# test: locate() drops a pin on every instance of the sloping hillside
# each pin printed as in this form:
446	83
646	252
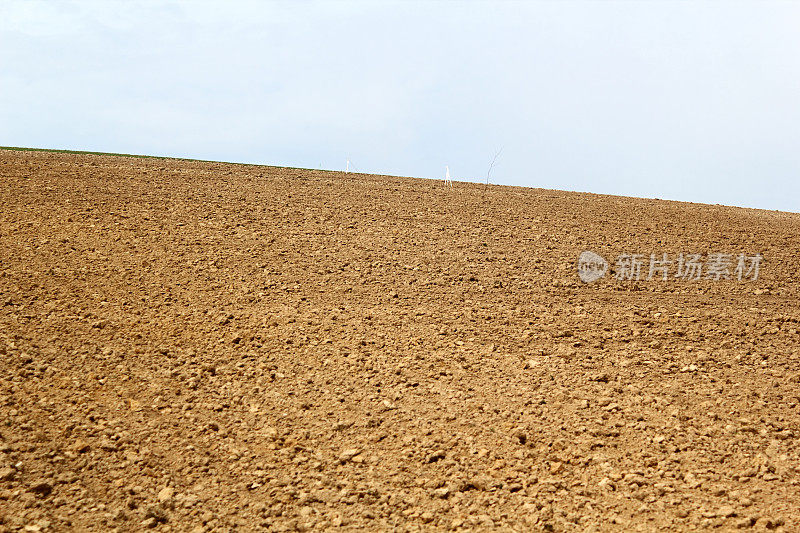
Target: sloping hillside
195	346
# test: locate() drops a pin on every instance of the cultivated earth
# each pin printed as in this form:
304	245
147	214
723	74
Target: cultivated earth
191	346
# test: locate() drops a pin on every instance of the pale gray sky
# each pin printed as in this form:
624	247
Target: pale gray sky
696	101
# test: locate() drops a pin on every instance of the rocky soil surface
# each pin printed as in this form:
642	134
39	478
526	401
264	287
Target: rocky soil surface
191	346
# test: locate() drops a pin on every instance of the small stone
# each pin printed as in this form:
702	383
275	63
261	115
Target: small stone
42	488
482	482
519	434
691	480
157	513
426	517
149	523
80	446
108	445
606	484
166	494
66	478
635	479
438	455
7	474
726	511
487	523
745	522
442	493
348	455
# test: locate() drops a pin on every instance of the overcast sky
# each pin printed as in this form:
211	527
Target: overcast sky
696	101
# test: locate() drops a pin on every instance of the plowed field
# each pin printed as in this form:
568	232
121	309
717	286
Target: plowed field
194	346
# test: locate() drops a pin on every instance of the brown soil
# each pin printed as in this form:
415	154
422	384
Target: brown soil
201	346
